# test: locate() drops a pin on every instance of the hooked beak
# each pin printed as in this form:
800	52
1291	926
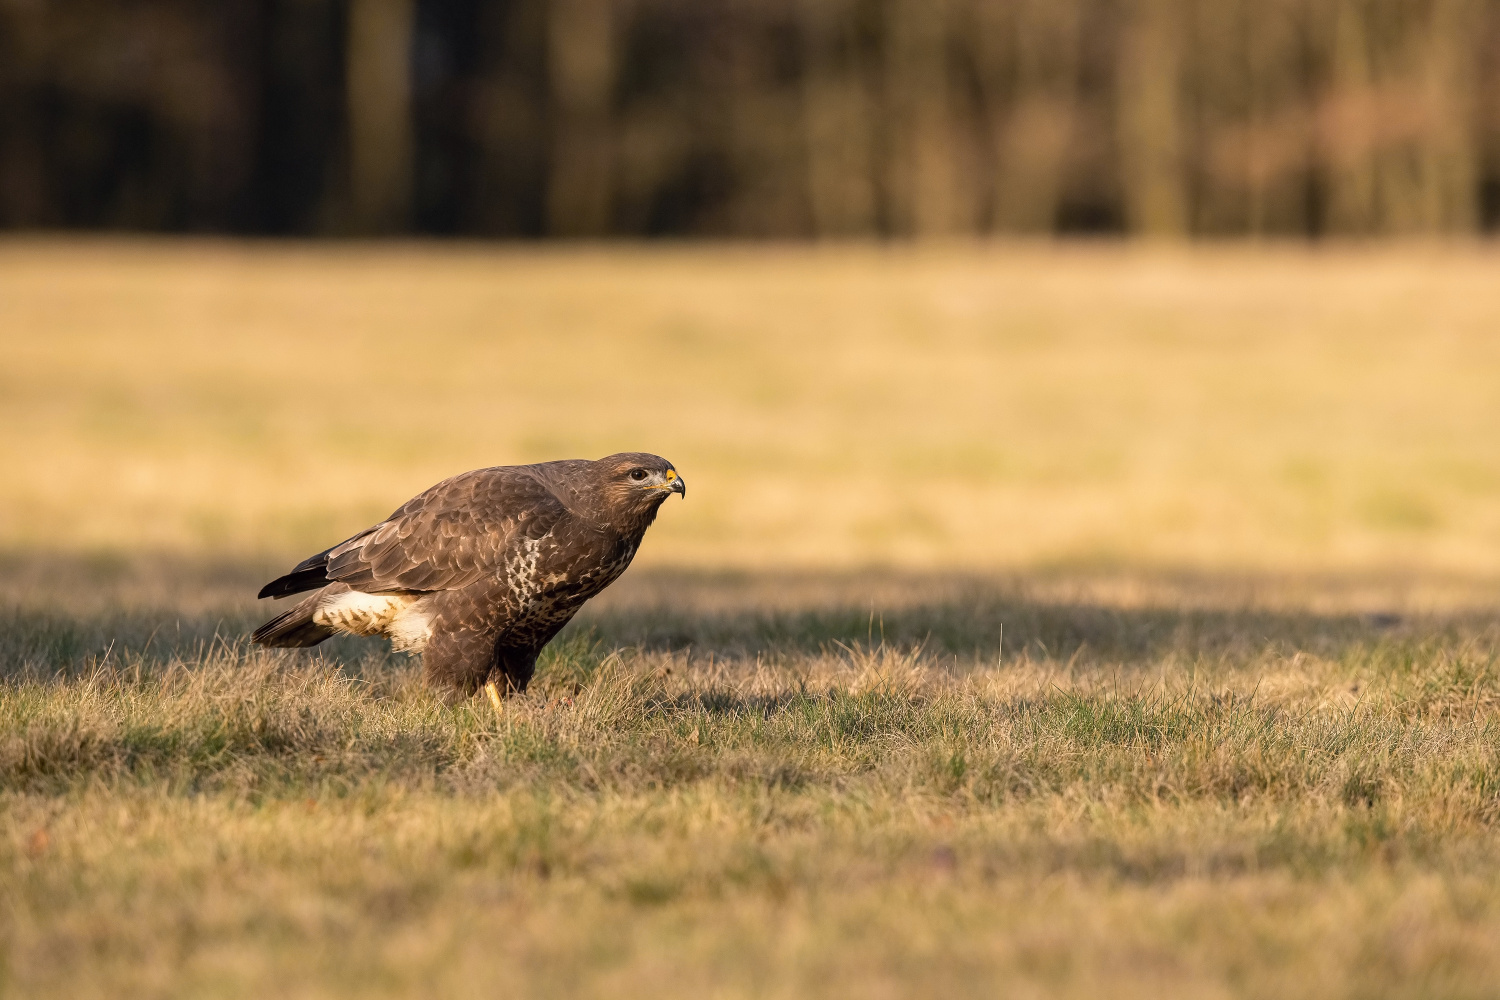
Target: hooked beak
675	484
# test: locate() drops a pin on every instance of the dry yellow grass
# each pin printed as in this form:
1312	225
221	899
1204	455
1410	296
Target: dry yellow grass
1291	409
1085	620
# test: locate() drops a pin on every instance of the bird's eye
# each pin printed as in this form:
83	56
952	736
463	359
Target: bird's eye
638	474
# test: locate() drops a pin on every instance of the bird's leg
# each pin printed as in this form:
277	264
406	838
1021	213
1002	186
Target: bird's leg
494	695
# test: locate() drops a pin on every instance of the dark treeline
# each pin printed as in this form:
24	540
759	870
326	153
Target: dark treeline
751	117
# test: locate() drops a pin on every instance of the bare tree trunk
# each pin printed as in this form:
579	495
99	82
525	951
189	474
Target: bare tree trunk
379	100
581	72
1450	167
1259	81
1277	153
836	123
1149	120
1348	127
926	198
1028	57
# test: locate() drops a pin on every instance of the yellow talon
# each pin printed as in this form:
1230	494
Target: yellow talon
494	693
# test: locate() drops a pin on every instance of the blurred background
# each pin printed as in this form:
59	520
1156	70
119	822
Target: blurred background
890	376
753	118
1132	367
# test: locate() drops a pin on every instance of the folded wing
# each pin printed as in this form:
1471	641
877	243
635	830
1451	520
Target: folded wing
447	537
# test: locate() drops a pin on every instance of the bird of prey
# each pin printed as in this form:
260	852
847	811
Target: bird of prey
481	571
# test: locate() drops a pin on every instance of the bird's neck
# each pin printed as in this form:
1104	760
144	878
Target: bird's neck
634	526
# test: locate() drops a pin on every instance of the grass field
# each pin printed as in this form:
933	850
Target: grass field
1041	621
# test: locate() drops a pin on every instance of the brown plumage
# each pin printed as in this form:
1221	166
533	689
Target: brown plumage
481	571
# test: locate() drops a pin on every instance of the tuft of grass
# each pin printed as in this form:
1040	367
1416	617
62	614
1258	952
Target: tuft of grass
190	817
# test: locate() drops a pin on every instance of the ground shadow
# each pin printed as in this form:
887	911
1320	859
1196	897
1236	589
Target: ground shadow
1119	616
62	612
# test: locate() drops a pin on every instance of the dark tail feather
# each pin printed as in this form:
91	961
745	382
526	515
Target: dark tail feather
309	574
295	582
293	628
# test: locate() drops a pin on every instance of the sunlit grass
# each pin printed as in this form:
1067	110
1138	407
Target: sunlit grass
1092	621
1274	409
243	822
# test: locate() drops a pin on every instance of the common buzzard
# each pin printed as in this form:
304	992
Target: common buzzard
481	571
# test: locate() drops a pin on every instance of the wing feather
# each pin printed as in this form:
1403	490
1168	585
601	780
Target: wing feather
449	536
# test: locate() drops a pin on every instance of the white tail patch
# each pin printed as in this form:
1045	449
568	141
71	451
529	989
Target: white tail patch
396	616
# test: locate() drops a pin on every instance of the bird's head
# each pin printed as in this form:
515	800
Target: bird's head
638	482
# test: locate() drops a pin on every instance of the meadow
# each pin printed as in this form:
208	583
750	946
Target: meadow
1042	620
